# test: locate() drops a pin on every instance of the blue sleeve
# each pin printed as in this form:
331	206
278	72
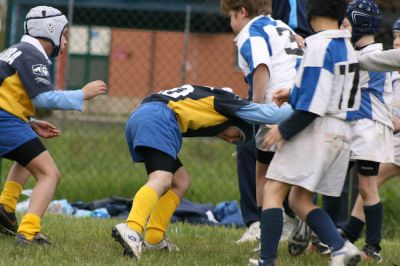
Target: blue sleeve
59	100
264	113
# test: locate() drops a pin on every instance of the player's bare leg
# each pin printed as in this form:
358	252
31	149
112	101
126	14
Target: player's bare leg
16	179
47	176
261	171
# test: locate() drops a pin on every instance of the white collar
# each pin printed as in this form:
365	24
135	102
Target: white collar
36	43
330	34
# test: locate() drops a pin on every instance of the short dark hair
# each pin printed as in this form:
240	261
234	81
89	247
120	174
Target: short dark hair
334	9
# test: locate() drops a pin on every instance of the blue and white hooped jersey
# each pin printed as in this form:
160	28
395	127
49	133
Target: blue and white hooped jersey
271	42
376	93
327	80
396	93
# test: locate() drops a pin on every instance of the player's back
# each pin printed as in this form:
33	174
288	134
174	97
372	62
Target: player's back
200	110
376	91
327	80
271	42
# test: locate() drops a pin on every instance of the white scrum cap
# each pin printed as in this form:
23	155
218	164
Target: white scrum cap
48	23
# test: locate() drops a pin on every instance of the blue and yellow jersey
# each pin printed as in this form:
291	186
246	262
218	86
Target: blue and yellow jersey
200	111
24	73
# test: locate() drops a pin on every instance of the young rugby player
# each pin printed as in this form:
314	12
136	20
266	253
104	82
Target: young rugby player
26	85
154	134
326	88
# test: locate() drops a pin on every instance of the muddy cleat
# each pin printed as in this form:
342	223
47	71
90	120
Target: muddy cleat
253	233
8	222
39	239
129	239
299	238
289	224
164	244
372	253
319	247
348	255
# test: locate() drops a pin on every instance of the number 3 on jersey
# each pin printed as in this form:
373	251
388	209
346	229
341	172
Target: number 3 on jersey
178	92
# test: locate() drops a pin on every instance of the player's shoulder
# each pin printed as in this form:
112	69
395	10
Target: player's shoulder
28	53
372	48
262	24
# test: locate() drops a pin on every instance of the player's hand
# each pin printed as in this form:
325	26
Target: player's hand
396	123
300	41
272	137
94	88
44	129
281	96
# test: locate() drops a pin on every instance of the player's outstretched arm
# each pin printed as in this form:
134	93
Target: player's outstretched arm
44	129
266	113
384	61
69	99
94	88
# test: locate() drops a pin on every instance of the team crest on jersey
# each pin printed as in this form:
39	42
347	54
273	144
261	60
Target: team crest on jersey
40	70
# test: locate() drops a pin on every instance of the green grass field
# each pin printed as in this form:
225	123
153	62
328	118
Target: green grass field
88	241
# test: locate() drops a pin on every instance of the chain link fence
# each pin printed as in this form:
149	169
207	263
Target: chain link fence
137	48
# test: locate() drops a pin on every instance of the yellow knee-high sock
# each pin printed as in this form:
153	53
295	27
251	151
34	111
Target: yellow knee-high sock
160	217
30	225
143	204
10	194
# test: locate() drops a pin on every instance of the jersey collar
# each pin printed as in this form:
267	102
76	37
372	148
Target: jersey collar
330	34
36	43
245	29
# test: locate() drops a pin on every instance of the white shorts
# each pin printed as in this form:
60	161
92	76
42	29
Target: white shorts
371	141
396	140
316	158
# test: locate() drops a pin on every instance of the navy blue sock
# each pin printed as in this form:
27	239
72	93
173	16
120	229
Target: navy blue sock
373	221
271	231
259	211
332	206
321	224
353	229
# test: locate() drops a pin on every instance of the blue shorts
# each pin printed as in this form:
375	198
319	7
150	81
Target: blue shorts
13	132
153	125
